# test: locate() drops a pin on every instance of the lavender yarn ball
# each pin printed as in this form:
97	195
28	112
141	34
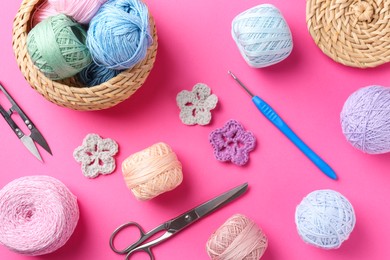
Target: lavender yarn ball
38	214
365	119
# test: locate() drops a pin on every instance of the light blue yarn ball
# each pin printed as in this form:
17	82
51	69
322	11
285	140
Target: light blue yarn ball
94	75
119	34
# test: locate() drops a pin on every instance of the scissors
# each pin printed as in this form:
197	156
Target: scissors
174	225
27	140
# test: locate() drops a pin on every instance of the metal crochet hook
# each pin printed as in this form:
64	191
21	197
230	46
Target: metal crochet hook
275	119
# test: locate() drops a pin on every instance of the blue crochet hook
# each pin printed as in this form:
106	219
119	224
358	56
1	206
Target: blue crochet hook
275	119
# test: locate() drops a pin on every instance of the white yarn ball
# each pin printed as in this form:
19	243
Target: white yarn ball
325	219
262	35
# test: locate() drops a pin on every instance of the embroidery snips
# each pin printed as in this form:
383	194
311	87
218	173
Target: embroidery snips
173	226
27	140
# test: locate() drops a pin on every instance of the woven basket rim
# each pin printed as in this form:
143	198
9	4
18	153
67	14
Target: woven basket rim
69	93
350	32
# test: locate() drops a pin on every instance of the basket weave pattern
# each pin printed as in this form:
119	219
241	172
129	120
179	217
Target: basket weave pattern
352	32
69	92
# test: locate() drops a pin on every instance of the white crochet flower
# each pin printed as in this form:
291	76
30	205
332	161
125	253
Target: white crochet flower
195	105
96	155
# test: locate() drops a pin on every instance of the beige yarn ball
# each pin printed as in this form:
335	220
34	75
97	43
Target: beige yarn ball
152	171
239	238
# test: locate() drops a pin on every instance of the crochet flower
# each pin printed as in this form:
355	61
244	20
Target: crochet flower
232	143
96	155
195	105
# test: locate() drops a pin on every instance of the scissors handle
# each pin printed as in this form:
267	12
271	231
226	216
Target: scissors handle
11	122
15	107
139	245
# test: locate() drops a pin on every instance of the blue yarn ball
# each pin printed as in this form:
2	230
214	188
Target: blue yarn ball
94	75
119	34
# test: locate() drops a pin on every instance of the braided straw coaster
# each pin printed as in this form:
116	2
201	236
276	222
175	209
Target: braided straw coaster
355	33
69	92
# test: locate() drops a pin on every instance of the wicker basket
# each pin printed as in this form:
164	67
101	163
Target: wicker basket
69	92
352	32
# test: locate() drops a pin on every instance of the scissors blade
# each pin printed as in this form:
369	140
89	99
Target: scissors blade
220	201
34	132
29	143
191	216
37	137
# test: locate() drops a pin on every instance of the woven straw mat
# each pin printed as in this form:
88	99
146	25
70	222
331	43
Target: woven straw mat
352	32
69	92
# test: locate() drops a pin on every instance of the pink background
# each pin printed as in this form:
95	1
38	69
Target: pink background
308	90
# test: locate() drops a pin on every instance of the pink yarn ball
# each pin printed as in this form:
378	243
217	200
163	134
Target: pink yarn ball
45	10
38	214
80	10
239	238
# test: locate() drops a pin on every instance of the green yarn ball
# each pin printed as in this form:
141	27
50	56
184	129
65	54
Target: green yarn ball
57	47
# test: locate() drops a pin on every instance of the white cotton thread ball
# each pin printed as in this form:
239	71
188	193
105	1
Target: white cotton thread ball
325	219
262	35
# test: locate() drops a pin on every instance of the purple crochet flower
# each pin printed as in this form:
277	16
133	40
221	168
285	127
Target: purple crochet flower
232	143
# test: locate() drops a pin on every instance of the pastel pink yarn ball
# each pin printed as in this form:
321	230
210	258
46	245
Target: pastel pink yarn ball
38	214
80	10
45	10
239	238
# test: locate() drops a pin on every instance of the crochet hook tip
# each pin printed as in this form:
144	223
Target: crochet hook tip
240	83
231	74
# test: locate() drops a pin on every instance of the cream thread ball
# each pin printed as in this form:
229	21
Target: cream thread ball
262	35
325	219
152	171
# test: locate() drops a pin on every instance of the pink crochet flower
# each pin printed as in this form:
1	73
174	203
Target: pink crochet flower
232	143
